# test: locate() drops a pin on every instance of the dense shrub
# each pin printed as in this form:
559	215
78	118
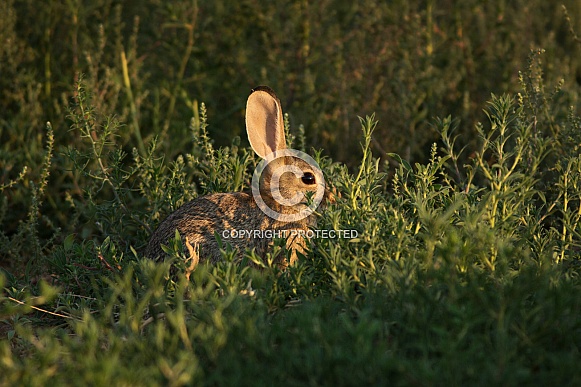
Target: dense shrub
464	190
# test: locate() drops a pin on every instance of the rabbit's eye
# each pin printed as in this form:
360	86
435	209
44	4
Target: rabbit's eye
308	178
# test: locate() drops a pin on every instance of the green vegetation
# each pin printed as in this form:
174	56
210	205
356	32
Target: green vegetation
464	187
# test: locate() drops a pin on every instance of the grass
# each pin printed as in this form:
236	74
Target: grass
465	270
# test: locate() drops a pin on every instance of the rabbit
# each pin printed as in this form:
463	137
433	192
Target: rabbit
278	204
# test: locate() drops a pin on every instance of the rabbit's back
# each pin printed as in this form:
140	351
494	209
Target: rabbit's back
200	218
234	217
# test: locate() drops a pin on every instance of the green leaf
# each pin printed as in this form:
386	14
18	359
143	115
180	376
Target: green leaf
68	242
403	162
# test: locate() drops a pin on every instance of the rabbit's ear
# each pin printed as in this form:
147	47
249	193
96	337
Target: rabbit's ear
264	123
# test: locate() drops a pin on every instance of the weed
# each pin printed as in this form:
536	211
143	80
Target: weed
459	268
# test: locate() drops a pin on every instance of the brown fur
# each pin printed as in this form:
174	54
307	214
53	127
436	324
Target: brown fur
199	220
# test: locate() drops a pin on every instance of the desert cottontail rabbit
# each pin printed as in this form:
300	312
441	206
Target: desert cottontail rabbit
287	187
